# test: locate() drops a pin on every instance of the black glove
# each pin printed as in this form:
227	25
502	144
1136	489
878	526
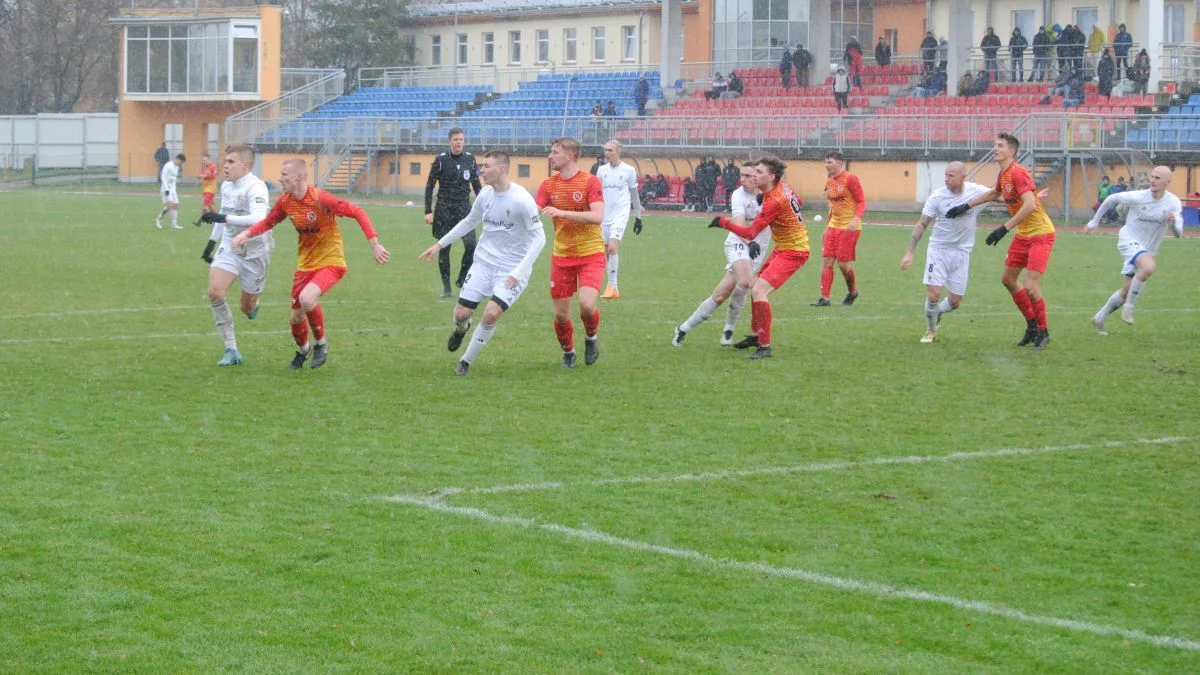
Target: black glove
996	235
958	210
211	246
637	225
754	249
716	222
213	217
758	198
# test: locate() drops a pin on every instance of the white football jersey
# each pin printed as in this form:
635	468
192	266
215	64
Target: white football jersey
1146	221
958	232
245	202
746	205
617	181
509	219
169	176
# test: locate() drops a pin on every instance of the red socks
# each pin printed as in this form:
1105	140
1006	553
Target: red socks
566	335
826	280
591	324
1039	313
300	334
316	319
760	311
1023	303
851	281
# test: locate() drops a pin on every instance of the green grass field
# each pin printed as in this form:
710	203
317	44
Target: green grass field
861	503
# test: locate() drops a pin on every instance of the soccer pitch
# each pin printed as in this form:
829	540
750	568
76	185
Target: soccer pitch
859	503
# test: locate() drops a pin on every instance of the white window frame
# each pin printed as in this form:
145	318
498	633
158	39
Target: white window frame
208	48
514	47
435	50
543	45
598	44
570	45
629	43
461	52
488	48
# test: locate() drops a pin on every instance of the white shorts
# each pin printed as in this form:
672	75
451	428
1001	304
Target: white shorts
947	267
251	272
735	251
1130	250
484	281
614	227
170	196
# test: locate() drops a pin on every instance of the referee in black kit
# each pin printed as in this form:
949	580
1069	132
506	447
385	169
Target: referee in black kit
456	172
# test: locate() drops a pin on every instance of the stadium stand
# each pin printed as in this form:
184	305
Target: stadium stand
1179	127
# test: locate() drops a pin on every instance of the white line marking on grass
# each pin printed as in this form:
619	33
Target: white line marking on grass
841	583
805	468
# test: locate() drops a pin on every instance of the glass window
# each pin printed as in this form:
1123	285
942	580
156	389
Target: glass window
136	65
1023	19
628	43
179	61
514	47
159	65
135	32
214	142
779	10
489	48
462	50
543	46
435	50
569	45
1173	25
719	10
598	43
762	10
1085	19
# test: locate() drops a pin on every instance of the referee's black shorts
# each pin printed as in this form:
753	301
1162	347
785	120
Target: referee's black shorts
446	217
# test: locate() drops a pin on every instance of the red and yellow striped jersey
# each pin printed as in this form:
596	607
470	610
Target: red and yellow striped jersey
1011	184
846	199
208	178
572	238
781	212
315	217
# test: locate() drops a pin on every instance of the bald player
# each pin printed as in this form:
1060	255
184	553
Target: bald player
1151	214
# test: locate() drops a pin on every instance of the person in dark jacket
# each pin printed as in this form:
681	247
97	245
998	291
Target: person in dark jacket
730	176
785	70
1041	55
990	44
641	94
929	50
1122	43
802	60
1016	50
161	157
883	52
1104	73
456	174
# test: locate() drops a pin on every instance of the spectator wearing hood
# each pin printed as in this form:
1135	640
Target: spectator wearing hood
883	52
1016	49
785	70
1041	55
929	50
990	44
1122	43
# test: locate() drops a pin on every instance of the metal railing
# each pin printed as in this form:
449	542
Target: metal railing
500	78
332	154
1181	62
878	135
194	4
321	86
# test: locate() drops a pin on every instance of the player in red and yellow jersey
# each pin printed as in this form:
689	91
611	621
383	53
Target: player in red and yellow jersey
1030	248
781	212
321	261
574	200
208	187
840	244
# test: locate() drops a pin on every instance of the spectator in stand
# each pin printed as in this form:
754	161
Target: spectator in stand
719	86
1102	192
597	111
1122	43
641	94
943	54
691	195
854	58
933	84
1075	96
646	190
1119	186
883	52
736	86
929	51
1079	43
596	167
1113	216
785	70
610	110
1141	72
731	175
1104	75
706	181
1062	47
980	86
965	83
1095	43
990	44
1041	55
662	186
1016	51
1061	85
841	89
802	60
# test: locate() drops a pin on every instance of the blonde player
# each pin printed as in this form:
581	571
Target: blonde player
1151	213
512	240
840	243
620	196
169	179
742	261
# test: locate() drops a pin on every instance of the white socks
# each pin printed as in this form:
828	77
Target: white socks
224	319
462	326
613	262
1135	289
737	300
1114	303
931	316
479	340
701	314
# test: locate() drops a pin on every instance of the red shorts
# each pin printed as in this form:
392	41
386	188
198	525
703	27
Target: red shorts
568	274
324	277
841	245
1031	253
208	199
781	265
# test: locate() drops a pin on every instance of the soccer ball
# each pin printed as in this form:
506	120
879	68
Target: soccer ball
817	218
408	203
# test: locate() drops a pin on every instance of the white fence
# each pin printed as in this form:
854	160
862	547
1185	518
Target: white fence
59	141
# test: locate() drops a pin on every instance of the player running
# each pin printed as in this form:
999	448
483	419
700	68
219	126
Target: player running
847	204
574	200
781	212
169	179
743	259
1151	213
512	240
321	257
1030	249
208	187
620	183
244	201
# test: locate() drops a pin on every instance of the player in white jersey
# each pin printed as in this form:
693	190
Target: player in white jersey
169	179
513	238
742	261
948	257
1151	213
620	183
244	202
